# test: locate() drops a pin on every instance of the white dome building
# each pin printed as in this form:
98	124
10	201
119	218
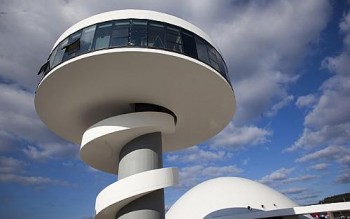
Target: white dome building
229	197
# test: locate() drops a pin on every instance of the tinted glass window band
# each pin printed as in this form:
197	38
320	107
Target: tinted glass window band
119	33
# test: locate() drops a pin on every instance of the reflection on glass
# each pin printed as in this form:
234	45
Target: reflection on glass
212	57
52	57
173	39
102	36
120	33
72	46
86	39
189	44
202	51
221	64
156	34
60	52
138	33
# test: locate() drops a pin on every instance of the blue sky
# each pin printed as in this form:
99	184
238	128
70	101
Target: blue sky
289	62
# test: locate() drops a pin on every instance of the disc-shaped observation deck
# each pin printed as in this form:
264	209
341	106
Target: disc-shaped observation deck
104	65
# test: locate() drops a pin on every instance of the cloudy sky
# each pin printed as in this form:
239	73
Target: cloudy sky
289	62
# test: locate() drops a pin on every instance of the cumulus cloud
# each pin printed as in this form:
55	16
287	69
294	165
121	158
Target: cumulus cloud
326	135
266	60
284	176
320	166
333	152
197	154
50	150
294	190
340	64
192	175
234	136
343	178
31	180
275	108
11	171
326	127
302	178
277	175
10	165
20	122
306	101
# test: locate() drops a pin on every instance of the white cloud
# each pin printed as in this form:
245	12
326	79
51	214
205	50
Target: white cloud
277	175
327	125
283	176
235	137
344	177
320	166
333	106
6	141
197	154
31	180
192	175
341	64
11	171
294	190
262	63
333	152
50	151
275	108
302	178
326	135
20	122
306	101
10	165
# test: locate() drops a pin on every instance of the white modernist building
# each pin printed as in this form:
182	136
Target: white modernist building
127	85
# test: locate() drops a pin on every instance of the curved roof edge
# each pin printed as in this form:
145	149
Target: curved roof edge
136	14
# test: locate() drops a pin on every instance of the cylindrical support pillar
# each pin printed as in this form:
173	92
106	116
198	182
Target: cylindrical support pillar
142	154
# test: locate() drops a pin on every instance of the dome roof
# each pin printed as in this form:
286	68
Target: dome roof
231	193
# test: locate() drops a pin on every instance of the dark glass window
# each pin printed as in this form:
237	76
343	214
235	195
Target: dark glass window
138	33
72	46
61	48
202	50
189	44
221	64
120	33
212	58
173	39
44	68
156	35
86	39
102	36
52	57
